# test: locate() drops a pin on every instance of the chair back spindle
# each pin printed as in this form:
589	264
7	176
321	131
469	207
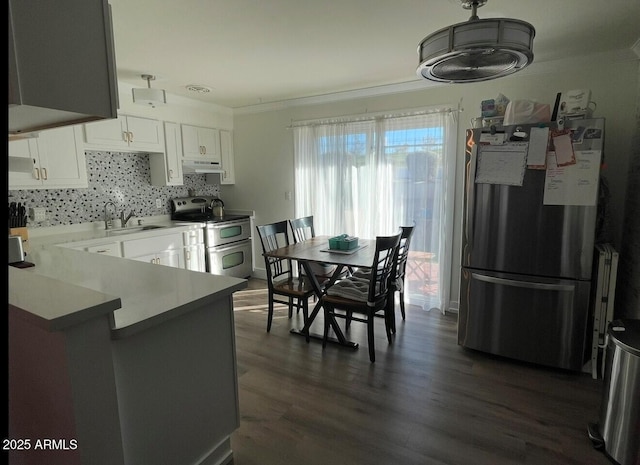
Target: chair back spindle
302	228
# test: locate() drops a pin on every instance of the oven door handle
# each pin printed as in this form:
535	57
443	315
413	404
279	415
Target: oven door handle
230	245
226	224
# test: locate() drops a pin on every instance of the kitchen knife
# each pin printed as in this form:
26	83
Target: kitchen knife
22	216
12	214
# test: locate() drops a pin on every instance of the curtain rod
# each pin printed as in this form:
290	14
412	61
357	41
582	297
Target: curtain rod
377	115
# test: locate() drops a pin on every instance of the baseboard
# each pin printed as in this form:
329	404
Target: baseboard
221	454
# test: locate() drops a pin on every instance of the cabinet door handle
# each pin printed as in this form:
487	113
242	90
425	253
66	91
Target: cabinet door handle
125	136
44	174
188	255
130	137
170	174
37	171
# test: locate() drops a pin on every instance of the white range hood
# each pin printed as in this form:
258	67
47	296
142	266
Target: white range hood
200	167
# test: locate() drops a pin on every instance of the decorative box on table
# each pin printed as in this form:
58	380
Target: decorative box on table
343	242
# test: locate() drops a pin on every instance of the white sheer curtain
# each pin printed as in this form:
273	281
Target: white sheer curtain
367	177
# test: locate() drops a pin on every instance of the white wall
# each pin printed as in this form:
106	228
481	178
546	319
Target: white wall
264	145
627	298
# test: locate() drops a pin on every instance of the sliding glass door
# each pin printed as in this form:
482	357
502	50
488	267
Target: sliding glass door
367	176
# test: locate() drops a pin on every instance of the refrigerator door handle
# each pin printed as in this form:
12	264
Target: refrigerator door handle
470	186
525	284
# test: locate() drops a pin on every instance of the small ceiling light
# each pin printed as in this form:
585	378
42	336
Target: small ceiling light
476	50
149	96
197	88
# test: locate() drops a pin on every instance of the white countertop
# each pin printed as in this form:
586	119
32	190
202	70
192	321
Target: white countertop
86	234
67	285
56	305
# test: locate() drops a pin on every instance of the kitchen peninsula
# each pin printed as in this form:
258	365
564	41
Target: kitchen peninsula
120	361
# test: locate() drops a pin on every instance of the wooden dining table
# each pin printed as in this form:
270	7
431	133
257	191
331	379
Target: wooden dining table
316	250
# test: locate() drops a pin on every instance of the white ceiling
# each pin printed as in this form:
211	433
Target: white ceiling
252	52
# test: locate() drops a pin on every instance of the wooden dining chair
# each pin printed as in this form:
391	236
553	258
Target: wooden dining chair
283	286
398	279
398	282
302	229
354	296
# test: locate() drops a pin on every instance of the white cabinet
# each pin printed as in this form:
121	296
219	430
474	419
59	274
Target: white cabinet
130	133
166	168
61	64
58	160
112	249
226	154
194	250
166	257
194	258
200	143
159	250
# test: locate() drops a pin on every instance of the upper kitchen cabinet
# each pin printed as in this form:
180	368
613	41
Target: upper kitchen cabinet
200	143
58	160
126	133
61	64
166	168
226	153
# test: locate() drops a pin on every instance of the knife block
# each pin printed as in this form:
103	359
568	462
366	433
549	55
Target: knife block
24	234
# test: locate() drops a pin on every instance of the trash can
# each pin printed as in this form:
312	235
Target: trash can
618	431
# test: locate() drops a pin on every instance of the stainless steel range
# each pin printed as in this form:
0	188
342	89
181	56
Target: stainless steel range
227	238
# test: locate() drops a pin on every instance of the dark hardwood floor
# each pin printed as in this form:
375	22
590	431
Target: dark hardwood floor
425	401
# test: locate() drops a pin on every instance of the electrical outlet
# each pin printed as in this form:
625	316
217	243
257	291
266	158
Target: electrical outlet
158	203
38	214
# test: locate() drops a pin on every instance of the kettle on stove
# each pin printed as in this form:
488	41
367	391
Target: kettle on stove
217	207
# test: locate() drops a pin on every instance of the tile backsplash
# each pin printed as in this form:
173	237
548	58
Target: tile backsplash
122	178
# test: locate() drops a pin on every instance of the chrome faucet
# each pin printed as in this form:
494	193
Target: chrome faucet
123	220
107	219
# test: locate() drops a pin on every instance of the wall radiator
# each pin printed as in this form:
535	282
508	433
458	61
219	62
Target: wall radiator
605	271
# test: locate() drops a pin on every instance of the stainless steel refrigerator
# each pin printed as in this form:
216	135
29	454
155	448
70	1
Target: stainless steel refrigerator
530	211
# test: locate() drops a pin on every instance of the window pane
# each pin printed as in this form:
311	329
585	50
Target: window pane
367	178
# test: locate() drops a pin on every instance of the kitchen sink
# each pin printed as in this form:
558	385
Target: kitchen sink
133	229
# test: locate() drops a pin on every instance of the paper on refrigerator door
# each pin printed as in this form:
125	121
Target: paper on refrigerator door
563	147
502	164
573	184
537	153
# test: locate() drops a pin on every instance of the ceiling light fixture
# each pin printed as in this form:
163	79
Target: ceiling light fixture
149	96
199	89
476	50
